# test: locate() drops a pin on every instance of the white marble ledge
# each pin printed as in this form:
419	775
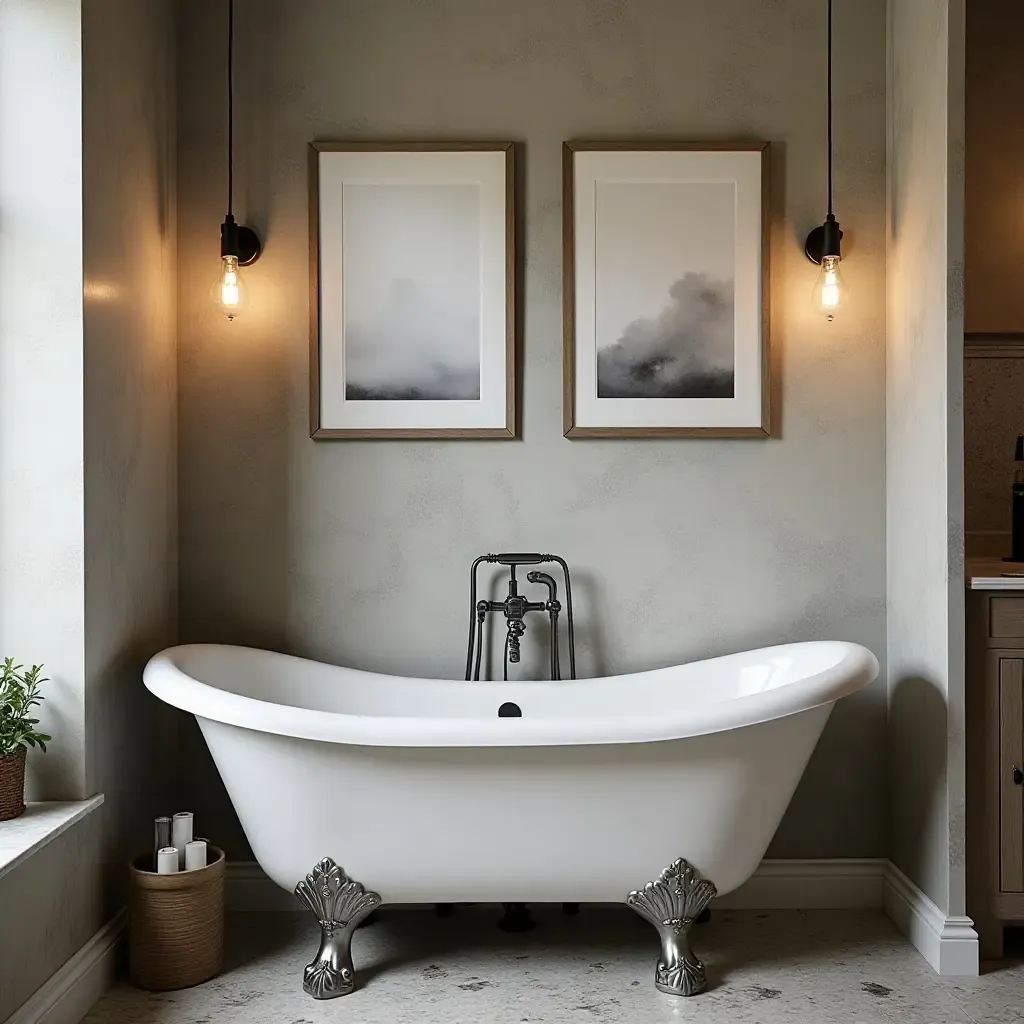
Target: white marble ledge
988	574
41	823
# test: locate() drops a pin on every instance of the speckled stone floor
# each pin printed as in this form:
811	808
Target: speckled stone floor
817	967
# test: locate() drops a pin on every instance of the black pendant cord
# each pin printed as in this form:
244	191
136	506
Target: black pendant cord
235	239
826	239
230	104
829	112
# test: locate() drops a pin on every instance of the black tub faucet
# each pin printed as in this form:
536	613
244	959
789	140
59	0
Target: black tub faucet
515	608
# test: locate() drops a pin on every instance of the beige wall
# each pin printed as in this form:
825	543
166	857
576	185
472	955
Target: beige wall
924	443
130	409
994	225
358	552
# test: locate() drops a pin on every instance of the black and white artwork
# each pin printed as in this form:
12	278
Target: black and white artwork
665	255
412	298
665	309
686	351
414	280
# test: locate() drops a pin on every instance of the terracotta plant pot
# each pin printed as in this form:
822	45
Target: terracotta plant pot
12	785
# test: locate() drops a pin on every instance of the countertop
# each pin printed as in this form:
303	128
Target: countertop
987	574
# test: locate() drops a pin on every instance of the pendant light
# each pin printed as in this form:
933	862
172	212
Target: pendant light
239	245
823	243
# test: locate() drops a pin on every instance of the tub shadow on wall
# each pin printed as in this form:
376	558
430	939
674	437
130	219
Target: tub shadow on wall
917	745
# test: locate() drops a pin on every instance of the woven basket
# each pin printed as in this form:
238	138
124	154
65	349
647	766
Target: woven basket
12	785
176	924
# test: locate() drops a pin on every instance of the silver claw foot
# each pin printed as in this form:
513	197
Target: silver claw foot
672	904
339	904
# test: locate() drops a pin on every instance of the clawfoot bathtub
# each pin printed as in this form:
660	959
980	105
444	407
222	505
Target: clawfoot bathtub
655	789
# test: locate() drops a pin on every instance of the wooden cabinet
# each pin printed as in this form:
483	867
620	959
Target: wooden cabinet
995	765
1009	674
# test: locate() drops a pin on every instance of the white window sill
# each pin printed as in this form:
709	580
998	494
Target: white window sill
41	823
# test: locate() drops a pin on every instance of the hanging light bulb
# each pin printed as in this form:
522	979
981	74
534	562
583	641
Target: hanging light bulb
823	245
829	283
829	288
230	289
229	292
239	245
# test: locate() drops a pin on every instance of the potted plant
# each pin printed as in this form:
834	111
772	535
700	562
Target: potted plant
19	694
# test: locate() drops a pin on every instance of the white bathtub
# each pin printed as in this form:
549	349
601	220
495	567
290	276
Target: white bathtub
422	793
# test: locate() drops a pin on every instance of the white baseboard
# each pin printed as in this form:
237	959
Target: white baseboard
949	944
247	888
776	885
827	884
70	993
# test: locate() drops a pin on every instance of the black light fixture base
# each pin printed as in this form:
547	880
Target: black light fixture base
249	247
823	241
238	240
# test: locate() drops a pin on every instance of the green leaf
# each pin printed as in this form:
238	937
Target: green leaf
19	694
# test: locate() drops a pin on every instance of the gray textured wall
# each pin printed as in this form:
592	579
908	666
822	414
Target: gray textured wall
925	589
130	262
357	552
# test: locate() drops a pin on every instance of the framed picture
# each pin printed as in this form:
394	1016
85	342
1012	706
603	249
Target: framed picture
665	289
412	278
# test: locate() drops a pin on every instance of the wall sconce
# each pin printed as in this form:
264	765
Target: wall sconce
239	245
823	243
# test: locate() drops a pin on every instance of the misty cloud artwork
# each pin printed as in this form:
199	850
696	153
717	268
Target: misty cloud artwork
687	350
412	292
415	347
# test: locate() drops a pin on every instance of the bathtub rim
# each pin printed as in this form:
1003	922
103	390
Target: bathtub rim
166	680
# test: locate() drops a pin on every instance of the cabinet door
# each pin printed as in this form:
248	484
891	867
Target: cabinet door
1011	774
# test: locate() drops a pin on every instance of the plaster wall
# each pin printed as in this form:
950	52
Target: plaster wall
924	447
358	552
130	412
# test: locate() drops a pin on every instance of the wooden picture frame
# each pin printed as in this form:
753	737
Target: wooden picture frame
393	358
617	382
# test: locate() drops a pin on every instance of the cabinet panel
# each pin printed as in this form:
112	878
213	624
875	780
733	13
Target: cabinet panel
1006	617
1011	774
